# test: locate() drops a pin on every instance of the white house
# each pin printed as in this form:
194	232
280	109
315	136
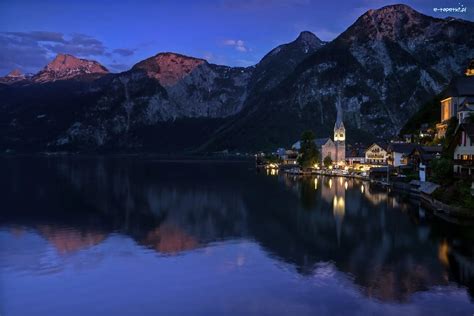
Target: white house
397	153
376	154
463	144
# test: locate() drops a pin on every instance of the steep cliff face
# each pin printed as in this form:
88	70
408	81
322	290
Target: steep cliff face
282	60
383	67
194	88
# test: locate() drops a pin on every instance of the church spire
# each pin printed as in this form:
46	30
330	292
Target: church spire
339	123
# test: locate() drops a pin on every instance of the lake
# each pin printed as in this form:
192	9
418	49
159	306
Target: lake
141	236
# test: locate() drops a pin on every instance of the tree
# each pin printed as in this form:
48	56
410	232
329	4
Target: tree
452	124
327	161
441	170
308	152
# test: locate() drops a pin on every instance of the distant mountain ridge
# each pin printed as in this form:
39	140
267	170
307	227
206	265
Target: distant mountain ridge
66	67
383	67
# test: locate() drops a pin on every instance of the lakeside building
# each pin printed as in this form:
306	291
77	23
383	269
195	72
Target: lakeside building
376	154
335	149
459	91
420	158
397	153
355	156
340	141
463	147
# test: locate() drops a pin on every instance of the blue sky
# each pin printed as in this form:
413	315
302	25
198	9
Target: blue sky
120	33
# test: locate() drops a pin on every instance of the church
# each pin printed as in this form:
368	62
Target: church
334	148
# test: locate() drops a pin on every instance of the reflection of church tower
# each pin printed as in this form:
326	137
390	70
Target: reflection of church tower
340	137
339	207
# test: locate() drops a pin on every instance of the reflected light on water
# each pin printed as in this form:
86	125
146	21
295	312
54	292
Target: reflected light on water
346	185
362	188
443	252
315	183
339	206
330	183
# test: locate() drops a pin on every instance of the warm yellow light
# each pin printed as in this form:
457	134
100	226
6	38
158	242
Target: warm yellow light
443	252
315	183
346	185
339	207
362	188
330	183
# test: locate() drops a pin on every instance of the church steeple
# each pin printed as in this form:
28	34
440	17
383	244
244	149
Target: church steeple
340	134
339	129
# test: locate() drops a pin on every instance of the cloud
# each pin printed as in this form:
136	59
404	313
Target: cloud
237	44
31	51
124	51
118	67
79	45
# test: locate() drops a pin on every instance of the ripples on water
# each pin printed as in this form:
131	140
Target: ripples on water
134	236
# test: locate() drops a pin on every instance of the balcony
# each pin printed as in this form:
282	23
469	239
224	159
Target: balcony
466	163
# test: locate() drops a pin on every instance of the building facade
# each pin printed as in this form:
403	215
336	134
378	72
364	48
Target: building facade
336	149
463	144
397	153
376	154
340	141
459	91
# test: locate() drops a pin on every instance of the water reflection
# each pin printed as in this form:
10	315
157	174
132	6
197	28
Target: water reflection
341	229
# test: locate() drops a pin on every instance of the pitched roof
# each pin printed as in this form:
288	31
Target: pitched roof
380	144
467	127
404	148
318	142
467	104
321	141
431	149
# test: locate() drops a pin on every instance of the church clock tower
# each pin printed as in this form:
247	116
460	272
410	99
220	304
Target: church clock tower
340	139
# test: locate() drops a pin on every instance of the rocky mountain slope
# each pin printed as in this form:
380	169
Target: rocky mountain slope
382	68
14	76
67	67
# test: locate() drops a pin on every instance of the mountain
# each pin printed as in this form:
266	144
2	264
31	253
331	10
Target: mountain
282	60
66	67
194	87
380	70
383	67
14	76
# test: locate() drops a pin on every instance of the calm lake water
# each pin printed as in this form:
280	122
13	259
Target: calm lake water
136	236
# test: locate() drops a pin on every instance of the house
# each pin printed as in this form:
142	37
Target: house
287	157
376	154
460	89
290	157
423	154
420	158
463	148
355	155
336	149
325	146
466	109
397	153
